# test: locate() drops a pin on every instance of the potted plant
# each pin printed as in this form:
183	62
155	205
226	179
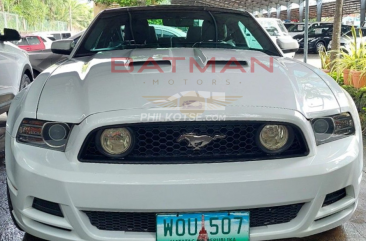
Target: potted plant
351	62
359	74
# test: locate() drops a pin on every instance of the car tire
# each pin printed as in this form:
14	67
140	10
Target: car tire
319	45
26	80
10	205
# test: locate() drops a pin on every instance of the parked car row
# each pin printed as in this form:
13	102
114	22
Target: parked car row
40	41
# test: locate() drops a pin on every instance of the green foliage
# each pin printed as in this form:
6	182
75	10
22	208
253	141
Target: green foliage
77	14
338	78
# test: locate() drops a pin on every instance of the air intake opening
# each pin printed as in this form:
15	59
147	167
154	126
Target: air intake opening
334	197
47	207
233	63
150	63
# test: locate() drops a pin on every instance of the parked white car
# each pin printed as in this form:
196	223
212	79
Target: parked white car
57	35
47	40
346	40
15	69
276	29
216	138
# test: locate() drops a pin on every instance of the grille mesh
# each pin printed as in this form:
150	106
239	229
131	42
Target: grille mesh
157	142
146	222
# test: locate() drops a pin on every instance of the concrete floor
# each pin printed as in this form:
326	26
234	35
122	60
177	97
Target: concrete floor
353	230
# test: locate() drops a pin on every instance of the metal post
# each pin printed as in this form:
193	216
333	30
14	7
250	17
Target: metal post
301	10
306	31
362	13
269	11
278	10
289	11
319	10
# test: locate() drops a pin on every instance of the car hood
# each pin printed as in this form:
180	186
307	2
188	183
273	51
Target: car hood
84	86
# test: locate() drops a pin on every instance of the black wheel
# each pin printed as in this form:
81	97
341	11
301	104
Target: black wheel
11	209
26	80
319	46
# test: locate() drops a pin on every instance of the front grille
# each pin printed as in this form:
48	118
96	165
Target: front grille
146	222
334	197
157	143
47	207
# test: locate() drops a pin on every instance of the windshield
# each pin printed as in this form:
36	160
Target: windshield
174	29
319	29
296	28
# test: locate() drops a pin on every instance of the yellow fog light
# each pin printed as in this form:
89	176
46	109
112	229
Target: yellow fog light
275	138
116	141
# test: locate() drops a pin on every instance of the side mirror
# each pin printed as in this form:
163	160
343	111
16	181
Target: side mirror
10	35
64	46
287	44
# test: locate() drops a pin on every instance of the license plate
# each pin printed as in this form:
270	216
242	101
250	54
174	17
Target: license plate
221	226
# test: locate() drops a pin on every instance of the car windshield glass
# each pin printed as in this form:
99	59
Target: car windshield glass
320	29
296	28
178	29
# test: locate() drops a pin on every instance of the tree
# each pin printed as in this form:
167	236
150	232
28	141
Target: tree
35	12
336	32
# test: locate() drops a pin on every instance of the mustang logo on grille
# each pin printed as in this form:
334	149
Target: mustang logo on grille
198	141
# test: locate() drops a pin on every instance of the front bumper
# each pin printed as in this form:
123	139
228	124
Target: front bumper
49	175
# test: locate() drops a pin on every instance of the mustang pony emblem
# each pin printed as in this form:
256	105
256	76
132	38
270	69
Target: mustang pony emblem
198	141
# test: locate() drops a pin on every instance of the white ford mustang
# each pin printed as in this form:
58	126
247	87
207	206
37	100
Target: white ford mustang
212	136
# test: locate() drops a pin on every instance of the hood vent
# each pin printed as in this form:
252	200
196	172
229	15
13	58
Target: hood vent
224	62
161	63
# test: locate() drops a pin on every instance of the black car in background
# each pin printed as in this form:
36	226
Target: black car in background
41	60
320	36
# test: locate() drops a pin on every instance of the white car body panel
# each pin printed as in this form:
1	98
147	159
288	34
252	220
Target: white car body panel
13	63
86	93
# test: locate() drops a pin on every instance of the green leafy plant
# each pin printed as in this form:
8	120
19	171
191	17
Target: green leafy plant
324	58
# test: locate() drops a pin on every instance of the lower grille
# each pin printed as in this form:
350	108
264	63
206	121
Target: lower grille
146	222
47	207
334	197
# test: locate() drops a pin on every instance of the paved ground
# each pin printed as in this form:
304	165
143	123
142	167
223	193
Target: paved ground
353	230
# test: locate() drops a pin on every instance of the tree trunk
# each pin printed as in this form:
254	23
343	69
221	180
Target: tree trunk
336	31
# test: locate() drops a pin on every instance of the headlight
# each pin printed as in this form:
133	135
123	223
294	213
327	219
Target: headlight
332	128
275	138
52	135
115	142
